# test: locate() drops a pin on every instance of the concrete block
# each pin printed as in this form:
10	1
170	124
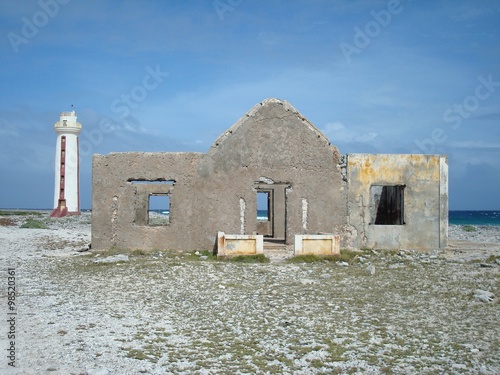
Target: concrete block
317	244
239	244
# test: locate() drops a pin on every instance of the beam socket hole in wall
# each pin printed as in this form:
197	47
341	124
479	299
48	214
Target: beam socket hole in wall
263	205
387	204
159	209
151	182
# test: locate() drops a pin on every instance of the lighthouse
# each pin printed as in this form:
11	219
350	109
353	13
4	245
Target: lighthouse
67	166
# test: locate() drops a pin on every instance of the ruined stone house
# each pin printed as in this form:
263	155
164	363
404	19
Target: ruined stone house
371	201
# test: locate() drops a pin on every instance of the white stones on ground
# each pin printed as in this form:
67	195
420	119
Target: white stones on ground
371	269
102	371
308	281
396	265
113	259
344	264
483	295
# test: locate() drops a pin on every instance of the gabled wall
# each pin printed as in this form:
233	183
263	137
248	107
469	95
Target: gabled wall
424	182
271	146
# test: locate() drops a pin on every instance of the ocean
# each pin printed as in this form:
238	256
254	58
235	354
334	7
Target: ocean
474	217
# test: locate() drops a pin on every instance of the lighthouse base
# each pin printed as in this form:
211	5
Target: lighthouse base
62	210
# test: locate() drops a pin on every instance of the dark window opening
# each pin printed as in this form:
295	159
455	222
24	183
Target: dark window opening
263	199
159	209
387	204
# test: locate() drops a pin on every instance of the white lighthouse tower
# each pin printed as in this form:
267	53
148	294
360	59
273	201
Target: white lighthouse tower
67	171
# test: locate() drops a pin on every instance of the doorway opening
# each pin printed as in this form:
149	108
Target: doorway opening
271	211
263	205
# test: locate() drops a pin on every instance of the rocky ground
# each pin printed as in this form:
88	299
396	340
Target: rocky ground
398	312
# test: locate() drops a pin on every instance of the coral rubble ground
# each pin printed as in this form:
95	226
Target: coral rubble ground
380	312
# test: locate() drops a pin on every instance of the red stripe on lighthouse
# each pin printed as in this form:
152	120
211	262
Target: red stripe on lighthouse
61	209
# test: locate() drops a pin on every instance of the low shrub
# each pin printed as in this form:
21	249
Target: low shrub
344	256
7	222
34	224
469	228
312	258
258	258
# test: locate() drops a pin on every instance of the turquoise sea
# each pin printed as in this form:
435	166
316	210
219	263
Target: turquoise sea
474	217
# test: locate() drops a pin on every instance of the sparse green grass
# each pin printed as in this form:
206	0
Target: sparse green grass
312	258
19	213
138	252
345	256
258	258
34	224
469	228
492	258
193	256
135	353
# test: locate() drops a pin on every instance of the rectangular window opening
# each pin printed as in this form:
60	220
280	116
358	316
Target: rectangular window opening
263	205
159	209
387	204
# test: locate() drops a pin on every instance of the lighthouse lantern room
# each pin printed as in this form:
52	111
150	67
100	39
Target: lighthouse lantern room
67	166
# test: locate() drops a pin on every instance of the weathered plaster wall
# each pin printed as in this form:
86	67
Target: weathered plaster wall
425	200
115	200
272	148
273	145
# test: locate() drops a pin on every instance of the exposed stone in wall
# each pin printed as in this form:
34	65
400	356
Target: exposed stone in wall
342	165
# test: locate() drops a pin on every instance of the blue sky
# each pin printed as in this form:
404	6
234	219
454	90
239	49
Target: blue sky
374	76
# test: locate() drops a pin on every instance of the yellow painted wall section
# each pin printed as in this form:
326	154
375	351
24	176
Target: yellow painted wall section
372	169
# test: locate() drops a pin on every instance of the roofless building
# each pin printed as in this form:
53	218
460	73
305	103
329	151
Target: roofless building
272	154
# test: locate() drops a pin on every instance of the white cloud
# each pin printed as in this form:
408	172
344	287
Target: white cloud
338	132
475	144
